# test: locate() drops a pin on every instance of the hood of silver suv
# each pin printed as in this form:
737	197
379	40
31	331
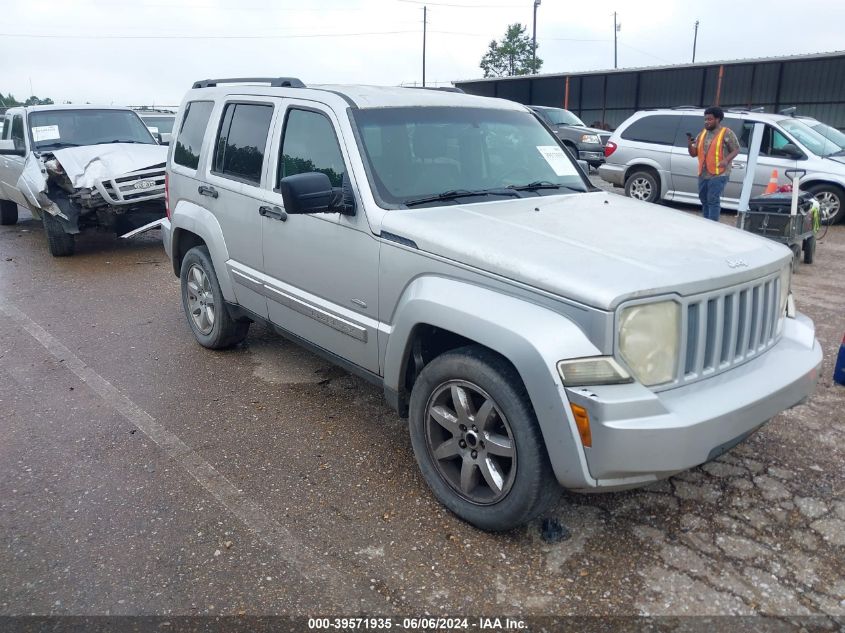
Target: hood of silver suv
595	248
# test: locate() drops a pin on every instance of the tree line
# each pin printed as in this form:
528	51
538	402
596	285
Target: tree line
8	101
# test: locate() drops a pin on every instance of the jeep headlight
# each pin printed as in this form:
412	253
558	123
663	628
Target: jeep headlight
590	138
649	337
595	370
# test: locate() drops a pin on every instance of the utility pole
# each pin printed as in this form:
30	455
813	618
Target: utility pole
425	23
616	28
534	40
694	41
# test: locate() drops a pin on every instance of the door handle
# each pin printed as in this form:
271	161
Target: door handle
274	213
738	165
211	192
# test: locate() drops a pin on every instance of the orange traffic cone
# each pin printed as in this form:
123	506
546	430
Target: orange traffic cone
773	182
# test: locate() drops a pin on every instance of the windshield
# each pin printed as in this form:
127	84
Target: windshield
162	124
559	116
809	137
54	129
416	152
830	133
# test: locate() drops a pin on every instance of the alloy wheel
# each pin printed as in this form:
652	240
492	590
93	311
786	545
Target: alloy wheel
200	299
470	442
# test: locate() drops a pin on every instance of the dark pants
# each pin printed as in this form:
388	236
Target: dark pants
710	193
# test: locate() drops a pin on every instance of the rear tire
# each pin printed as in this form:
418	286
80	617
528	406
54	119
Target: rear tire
477	441
796	257
206	311
642	185
60	243
809	249
8	212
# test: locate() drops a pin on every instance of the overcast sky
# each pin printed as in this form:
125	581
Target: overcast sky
136	52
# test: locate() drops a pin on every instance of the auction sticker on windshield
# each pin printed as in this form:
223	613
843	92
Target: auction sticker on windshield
557	160
45	133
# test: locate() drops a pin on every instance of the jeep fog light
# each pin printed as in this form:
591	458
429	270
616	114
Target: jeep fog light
598	370
785	283
649	338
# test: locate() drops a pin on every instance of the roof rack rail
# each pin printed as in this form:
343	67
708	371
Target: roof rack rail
275	82
441	88
683	107
789	111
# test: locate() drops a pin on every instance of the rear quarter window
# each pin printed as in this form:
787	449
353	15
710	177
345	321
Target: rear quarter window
656	128
189	142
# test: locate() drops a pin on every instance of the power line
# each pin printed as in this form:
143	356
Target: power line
197	37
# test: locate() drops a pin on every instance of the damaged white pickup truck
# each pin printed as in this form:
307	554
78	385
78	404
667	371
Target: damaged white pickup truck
81	167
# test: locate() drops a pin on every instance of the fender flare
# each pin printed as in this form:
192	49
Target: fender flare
533	338
193	218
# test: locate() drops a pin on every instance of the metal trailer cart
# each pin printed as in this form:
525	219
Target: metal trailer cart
771	215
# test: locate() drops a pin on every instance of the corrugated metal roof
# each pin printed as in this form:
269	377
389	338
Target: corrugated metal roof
756	60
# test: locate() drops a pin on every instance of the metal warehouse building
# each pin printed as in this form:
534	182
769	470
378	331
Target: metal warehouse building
815	84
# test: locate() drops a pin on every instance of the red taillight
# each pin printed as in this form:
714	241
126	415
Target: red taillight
609	148
167	194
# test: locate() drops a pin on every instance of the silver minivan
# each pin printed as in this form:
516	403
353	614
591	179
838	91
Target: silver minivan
647	155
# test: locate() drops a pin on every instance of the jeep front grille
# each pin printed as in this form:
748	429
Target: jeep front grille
723	329
137	186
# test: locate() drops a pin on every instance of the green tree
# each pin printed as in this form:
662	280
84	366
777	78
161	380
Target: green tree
9	101
33	100
511	56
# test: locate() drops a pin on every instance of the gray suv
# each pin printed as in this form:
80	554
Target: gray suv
536	332
585	143
647	155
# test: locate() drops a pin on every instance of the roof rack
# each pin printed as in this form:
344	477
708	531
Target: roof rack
790	111
275	82
441	88
684	107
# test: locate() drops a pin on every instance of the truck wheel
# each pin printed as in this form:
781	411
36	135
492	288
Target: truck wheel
8	212
809	249
61	244
642	185
831	202
796	257
202	300
477	442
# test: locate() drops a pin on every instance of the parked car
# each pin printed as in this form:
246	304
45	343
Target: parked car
159	122
585	143
80	167
536	331
648	156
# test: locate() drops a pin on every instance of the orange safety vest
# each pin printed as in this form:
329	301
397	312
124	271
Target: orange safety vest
714	154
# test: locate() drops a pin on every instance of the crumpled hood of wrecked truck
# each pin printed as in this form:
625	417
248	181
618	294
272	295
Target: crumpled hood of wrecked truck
86	165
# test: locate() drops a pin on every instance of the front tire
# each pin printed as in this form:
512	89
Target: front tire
202	300
8	212
831	202
60	243
642	185
477	441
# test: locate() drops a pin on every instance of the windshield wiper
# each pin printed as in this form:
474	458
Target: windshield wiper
58	145
119	140
541	184
452	194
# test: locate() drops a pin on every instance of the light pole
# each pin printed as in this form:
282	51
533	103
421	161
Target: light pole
616	27
694	41
534	40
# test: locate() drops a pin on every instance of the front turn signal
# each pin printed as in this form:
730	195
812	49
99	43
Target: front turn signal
582	421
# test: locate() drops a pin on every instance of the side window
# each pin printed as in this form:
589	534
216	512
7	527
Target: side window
691	124
310	144
7	127
773	142
187	150
242	141
742	129
17	132
655	128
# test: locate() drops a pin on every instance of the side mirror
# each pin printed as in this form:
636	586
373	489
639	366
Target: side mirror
7	148
791	150
312	192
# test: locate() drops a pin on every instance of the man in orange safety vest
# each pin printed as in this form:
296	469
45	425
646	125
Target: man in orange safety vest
716	146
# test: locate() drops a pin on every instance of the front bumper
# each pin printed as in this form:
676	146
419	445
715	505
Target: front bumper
640	436
165	238
591	154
